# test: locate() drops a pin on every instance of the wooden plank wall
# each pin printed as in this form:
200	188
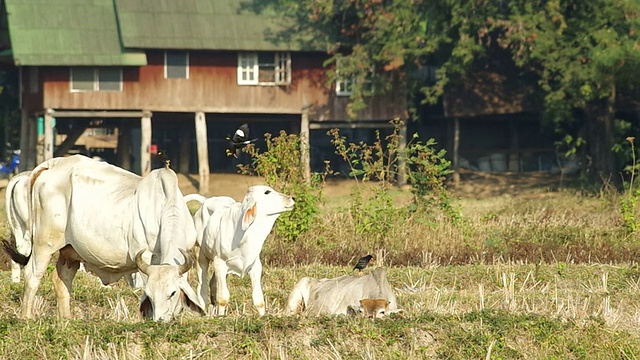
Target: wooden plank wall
212	88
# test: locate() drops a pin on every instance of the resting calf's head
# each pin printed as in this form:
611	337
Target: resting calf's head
371	308
262	200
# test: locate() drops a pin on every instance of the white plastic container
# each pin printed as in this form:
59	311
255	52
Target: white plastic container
498	162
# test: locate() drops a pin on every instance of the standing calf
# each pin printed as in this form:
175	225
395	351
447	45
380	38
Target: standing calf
232	239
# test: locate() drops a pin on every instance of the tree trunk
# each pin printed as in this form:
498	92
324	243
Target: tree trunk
599	117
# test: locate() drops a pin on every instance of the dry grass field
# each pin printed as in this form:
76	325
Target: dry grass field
546	273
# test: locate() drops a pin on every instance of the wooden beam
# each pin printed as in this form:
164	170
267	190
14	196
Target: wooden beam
347	125
203	152
304	145
70	140
145	144
98	114
48	136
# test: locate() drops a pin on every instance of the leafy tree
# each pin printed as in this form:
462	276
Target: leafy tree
581	53
584	52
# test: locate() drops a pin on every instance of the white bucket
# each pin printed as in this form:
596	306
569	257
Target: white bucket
498	162
484	164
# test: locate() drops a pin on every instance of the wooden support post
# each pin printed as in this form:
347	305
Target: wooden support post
305	156
402	147
123	150
145	144
456	152
48	135
185	150
36	157
514	154
27	159
203	152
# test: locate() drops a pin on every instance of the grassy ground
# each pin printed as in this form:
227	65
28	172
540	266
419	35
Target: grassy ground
535	273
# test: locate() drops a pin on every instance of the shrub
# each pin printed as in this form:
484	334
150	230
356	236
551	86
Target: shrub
387	162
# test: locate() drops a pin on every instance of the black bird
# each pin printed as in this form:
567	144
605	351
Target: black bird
161	159
239	140
362	263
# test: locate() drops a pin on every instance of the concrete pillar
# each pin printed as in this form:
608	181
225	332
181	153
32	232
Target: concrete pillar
145	143
49	140
304	145
203	152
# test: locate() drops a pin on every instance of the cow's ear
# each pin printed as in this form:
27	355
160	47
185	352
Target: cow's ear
249	215
189	298
146	309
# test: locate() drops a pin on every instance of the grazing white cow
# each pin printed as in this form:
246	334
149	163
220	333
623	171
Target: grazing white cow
112	221
17	209
232	239
369	295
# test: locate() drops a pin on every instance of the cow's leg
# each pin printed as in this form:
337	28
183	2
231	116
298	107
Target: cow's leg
33	273
15	272
202	271
255	274
66	269
135	280
219	288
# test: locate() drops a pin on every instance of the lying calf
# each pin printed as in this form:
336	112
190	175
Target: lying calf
369	295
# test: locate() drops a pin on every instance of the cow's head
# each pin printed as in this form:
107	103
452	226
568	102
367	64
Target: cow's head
262	200
167	292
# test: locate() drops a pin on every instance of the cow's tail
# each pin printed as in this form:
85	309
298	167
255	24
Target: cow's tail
14	254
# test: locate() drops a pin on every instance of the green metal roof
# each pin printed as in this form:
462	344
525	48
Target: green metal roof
67	32
206	25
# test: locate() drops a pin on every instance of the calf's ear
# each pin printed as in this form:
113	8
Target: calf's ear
249	215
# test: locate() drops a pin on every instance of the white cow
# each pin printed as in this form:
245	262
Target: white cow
370	295
112	221
17	209
232	239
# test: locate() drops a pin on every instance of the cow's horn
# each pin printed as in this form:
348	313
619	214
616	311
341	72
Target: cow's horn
188	262
140	263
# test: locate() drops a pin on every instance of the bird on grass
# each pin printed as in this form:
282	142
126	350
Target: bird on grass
239	140
362	263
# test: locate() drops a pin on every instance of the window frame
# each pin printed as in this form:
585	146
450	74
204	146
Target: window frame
96	79
344	84
250	63
186	64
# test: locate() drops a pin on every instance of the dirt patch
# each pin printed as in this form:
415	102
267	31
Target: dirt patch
480	185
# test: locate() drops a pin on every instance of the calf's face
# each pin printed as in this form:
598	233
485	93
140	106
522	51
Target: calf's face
370	308
262	200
